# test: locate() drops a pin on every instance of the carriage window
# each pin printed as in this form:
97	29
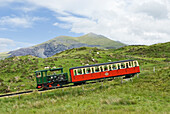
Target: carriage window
114	67
135	63
79	72
118	66
102	68
122	65
38	74
93	69
127	65
105	68
75	73
111	67
130	64
84	71
97	69
88	70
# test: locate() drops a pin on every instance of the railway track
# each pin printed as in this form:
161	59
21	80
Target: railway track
41	90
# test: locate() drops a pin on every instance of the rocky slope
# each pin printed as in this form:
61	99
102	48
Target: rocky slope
61	43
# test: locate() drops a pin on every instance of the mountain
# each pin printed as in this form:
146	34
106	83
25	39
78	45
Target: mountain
61	43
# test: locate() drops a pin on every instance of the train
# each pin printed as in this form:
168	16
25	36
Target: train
55	77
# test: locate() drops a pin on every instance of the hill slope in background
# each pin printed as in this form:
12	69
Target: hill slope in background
148	93
160	50
61	43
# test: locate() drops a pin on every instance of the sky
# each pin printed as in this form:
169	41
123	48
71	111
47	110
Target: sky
25	23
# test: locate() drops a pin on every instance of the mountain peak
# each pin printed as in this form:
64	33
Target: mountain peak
91	34
61	43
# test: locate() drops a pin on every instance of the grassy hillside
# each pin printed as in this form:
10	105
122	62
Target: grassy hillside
147	94
161	50
17	73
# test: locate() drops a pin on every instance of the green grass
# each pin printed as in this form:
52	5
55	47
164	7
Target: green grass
161	50
147	94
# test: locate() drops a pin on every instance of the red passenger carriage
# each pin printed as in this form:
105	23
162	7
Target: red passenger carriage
104	70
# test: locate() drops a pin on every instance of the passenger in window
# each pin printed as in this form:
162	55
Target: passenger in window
106	69
88	70
84	71
79	72
127	65
114	67
97	69
122	66
110	67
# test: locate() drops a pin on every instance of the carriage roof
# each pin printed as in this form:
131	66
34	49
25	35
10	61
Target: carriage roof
101	64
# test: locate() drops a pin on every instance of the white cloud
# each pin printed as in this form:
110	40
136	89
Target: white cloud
131	22
15	21
63	25
154	9
8	45
23	22
25	9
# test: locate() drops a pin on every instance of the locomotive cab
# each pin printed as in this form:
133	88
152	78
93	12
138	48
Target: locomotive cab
51	78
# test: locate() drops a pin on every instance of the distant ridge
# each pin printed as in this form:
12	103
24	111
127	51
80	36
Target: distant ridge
61	43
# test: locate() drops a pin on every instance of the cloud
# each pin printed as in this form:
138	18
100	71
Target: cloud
154	9
23	22
132	22
15	21
63	25
25	9
7	44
